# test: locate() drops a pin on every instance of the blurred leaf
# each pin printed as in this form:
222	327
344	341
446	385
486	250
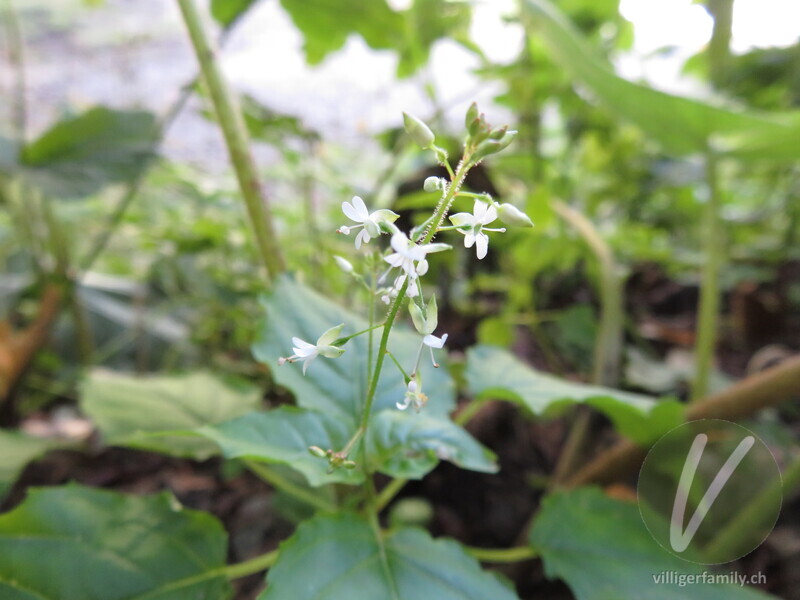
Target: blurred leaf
495	373
17	450
681	125
602	550
270	126
80	155
338	557
409	445
326	25
141	412
78	543
338	386
227	11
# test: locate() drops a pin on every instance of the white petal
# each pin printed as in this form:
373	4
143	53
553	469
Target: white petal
404	405
422	267
361	208
462	220
483	245
479	210
491	215
400	242
302	344
351	212
307	362
469	239
395	259
433	341
362	237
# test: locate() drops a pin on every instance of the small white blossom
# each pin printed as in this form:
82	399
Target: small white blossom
431	341
407	253
306	353
413	396
473	226
411	292
344	264
357	211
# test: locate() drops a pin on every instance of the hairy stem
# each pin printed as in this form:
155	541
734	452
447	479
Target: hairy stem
229	116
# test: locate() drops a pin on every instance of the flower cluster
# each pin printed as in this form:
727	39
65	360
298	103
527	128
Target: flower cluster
407	255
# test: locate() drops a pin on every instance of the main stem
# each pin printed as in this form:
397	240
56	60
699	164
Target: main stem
231	122
438	218
708	313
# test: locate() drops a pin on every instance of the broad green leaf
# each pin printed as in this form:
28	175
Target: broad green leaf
80	155
338	386
326	25
602	550
78	543
16	450
283	436
338	557
681	125
495	373
141	412
228	11
399	444
404	444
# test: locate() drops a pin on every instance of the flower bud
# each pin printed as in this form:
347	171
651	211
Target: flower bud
317	451
433	184
493	146
419	132
512	216
472	114
343	264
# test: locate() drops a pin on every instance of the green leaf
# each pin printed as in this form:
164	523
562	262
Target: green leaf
283	436
495	373
337	387
142	412
399	444
18	449
78	543
228	11
80	155
681	125
602	550
326	25
339	557
409	445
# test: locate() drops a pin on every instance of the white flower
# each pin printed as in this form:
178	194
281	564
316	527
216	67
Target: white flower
371	222
431	341
406	253
413	396
306	353
473	226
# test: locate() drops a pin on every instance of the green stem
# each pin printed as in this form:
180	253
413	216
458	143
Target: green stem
503	555
471	409
231	122
752	517
708	312
388	493
285	485
608	344
235	571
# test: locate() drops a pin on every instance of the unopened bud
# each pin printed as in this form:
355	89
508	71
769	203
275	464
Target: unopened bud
317	451
472	114
433	184
349	464
343	264
419	132
493	146
511	215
